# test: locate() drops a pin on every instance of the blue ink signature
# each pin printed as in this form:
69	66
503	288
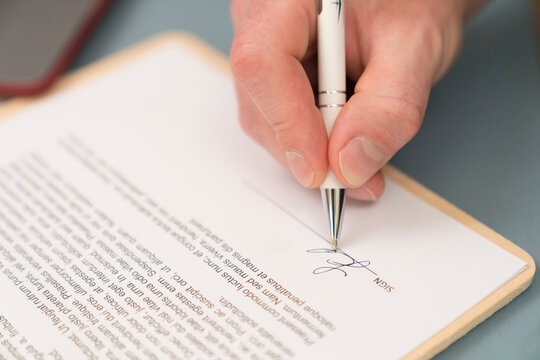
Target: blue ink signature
345	261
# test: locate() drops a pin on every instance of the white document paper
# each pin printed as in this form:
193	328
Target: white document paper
137	221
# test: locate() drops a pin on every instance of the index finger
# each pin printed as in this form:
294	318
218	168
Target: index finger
272	39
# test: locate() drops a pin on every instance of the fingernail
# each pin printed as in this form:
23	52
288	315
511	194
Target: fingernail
364	193
300	168
359	160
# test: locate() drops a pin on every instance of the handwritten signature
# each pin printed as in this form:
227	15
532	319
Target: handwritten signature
343	260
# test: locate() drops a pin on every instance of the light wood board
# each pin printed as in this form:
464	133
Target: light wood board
438	341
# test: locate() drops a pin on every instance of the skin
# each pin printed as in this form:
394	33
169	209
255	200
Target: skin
395	51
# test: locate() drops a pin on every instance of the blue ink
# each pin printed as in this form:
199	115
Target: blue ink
338	5
345	261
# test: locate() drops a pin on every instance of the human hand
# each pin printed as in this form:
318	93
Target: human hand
396	50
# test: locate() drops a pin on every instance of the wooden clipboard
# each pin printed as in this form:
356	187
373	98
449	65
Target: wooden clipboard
440	340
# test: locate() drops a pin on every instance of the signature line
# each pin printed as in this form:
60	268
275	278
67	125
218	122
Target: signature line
333	265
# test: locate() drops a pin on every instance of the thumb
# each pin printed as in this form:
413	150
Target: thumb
387	108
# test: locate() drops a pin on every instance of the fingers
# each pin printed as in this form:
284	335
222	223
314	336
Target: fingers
272	39
388	105
370	191
255	125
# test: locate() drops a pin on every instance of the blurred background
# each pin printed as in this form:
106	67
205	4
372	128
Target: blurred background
479	146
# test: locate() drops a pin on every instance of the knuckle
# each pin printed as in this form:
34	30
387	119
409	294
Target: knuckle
432	39
409	117
245	60
283	128
404	119
284	120
411	123
425	29
421	14
417	22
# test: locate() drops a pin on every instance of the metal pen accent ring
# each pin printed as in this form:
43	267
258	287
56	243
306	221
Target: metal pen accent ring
331	105
332	92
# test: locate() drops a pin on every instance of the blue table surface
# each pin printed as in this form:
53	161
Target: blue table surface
479	146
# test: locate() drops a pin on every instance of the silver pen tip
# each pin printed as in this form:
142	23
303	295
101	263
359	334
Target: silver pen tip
333	201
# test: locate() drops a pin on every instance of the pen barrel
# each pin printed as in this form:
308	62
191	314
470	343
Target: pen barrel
331	45
331	68
329	115
330	106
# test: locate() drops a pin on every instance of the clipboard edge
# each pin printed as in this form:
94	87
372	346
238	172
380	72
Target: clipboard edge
488	306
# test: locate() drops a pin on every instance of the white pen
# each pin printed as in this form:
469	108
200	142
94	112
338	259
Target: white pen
332	97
